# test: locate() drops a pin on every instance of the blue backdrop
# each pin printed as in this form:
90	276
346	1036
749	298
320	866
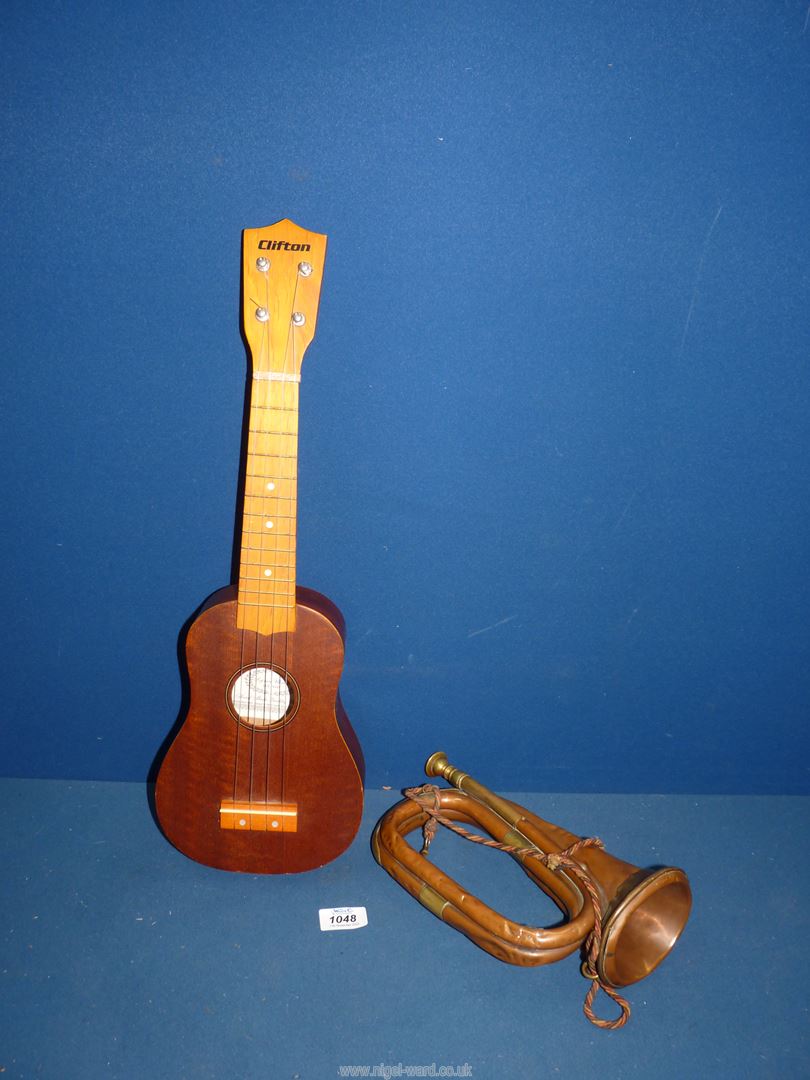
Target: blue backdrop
554	422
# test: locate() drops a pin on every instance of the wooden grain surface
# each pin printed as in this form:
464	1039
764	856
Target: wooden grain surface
313	761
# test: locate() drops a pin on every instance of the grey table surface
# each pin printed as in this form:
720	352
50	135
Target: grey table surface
122	958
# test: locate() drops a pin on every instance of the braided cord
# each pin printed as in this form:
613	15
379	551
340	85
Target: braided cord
427	798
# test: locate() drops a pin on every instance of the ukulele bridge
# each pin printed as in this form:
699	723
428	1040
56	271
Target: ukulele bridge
258	816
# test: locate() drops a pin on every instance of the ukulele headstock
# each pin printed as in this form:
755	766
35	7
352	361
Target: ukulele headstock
282	269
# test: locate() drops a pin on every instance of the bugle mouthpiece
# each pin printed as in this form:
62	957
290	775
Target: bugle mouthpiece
437	764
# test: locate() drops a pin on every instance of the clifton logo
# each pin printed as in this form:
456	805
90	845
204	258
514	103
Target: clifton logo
281	245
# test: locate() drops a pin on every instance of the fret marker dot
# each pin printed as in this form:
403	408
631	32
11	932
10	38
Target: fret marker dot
268	524
271	486
268	573
274	824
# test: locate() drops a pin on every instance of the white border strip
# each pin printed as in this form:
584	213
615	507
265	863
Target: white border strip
276	376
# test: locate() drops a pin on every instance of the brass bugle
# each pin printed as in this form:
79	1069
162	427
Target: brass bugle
644	911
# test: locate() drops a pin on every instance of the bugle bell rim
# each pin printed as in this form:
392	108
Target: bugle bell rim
641	927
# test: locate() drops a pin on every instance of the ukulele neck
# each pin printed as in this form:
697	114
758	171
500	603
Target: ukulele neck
282	268
266	597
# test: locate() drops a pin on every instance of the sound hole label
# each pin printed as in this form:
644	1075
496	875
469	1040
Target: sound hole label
261	696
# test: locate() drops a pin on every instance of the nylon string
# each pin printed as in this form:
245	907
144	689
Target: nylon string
289	353
253	473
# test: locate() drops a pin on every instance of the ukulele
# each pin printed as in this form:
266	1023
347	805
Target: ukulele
265	774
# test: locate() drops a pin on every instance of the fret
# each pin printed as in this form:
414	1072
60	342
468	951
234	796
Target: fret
268	534
275	561
285	571
256	508
276	517
281	526
248	512
246	580
262	498
271	554
286	549
253	453
287	535
269	592
260	579
271	583
284	487
279	585
282	427
273	492
278	555
287	583
265	476
284	528
280	607
282	602
268	558
262	479
272	431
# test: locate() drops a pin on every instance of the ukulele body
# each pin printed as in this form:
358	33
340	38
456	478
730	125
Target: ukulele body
259	795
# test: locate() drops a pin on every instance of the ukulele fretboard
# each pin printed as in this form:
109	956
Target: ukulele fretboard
266	599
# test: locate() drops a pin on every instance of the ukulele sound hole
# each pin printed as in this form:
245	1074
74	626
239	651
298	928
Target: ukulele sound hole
262	696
